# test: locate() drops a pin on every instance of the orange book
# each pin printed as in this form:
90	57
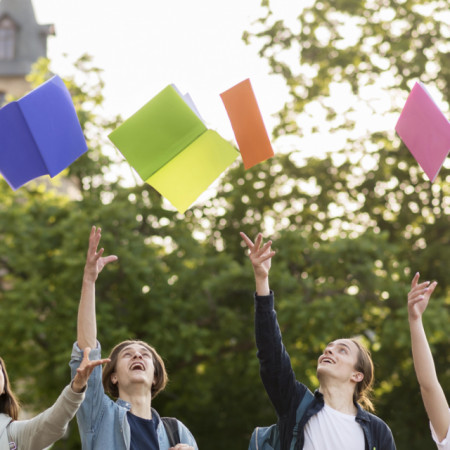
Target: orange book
247	123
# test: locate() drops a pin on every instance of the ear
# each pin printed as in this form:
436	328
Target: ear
357	377
113	378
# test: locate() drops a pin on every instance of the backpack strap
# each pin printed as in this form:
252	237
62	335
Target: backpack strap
171	427
306	400
12	444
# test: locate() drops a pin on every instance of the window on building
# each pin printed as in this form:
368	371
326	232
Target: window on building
7	39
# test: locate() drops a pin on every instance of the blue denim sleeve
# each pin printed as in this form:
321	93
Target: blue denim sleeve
276	370
89	414
186	436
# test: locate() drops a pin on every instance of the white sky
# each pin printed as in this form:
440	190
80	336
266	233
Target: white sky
144	45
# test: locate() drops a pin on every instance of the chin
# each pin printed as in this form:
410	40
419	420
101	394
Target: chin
323	369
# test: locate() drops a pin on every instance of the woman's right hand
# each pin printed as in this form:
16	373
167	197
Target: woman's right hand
84	371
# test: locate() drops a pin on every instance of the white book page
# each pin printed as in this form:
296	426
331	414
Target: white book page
188	100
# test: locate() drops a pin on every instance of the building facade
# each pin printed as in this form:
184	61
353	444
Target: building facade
22	42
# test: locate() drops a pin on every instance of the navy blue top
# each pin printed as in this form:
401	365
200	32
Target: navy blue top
143	433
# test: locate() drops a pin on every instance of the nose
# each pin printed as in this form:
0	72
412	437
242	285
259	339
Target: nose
328	351
137	355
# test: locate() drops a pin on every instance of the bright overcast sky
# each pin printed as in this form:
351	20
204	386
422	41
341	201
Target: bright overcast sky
144	45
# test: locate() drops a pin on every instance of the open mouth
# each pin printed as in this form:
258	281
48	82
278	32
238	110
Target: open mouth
137	366
327	361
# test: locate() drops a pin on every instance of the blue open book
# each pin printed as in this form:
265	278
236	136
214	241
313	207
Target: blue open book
39	134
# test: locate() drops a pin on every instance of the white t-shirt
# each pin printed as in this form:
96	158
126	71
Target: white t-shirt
443	445
332	430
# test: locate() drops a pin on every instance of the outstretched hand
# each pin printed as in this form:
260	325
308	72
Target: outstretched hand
84	371
419	296
95	262
260	257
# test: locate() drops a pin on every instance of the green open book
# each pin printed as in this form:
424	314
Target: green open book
170	147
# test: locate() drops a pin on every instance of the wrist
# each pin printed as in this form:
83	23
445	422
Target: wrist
89	277
262	286
78	388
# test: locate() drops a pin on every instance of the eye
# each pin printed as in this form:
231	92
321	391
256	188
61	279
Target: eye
127	354
343	350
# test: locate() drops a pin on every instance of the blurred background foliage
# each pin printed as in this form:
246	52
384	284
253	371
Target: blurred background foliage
350	226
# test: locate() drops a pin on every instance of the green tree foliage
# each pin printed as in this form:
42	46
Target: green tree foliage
369	188
348	241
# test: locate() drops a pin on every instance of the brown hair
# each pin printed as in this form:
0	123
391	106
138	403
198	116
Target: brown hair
8	402
364	364
160	375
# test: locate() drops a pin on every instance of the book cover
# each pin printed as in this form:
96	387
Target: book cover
247	123
424	130
170	147
39	134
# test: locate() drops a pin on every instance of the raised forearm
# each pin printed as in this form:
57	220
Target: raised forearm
262	285
87	323
432	393
423	359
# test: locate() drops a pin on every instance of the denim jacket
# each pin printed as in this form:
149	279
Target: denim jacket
286	393
103	423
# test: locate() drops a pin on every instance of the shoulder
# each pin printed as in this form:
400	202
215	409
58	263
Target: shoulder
379	426
185	434
4	421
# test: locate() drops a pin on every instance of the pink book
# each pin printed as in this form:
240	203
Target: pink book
424	130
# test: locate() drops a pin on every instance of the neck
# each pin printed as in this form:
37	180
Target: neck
141	404
339	398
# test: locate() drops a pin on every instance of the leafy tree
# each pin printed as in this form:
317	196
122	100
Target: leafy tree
369	185
348	239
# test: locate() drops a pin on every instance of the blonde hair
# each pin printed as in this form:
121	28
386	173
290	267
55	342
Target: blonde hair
364	364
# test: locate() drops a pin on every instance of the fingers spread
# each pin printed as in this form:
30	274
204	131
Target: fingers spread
247	240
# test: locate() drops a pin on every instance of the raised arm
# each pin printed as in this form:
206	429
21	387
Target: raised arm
432	394
276	370
87	324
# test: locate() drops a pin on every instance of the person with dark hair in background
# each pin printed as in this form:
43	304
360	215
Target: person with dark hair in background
334	419
133	378
433	395
49	426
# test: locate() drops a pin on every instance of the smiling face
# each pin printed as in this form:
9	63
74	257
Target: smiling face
134	364
339	361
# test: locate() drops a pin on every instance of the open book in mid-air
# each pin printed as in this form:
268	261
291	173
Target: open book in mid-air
172	149
39	134
424	130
